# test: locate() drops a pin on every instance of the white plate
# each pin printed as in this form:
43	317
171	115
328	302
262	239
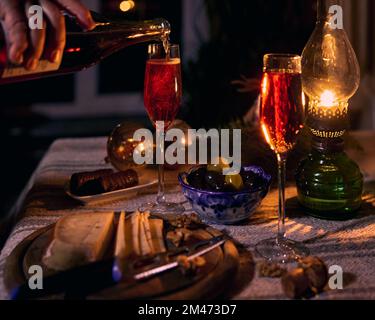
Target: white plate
145	183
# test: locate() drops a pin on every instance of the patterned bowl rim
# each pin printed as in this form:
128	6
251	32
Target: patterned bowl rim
256	169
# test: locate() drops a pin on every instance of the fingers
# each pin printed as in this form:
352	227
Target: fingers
83	14
56	38
37	40
15	28
14	22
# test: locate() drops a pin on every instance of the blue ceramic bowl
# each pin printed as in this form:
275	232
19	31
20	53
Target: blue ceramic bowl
226	207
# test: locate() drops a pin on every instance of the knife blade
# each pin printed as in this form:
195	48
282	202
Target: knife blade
79	282
191	254
174	264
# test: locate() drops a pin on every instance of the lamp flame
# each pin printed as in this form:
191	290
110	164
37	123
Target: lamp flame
327	99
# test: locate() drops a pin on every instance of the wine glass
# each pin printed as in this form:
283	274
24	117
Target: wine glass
282	117
162	98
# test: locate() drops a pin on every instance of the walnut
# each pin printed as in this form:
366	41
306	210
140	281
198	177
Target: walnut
191	221
176	237
199	262
309	278
270	270
295	284
190	267
316	270
185	232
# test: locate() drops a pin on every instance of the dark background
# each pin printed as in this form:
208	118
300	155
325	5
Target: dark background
240	33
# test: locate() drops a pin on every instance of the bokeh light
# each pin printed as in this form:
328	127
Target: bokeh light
127	5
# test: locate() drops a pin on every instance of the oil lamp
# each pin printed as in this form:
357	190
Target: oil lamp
329	183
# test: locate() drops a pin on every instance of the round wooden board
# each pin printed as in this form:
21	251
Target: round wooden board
210	281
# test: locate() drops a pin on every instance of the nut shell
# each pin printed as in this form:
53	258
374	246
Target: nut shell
295	284
316	271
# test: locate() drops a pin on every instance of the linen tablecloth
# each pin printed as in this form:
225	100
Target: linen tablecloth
349	244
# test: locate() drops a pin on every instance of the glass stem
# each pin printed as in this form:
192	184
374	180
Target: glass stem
281	161
161	188
160	199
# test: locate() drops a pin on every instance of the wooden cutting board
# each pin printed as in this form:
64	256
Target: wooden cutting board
210	281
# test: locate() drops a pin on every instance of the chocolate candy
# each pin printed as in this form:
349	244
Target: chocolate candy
80	182
116	181
102	181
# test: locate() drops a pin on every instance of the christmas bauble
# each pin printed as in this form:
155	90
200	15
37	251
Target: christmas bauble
121	146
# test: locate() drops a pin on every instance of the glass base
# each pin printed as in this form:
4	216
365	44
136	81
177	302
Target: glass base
283	251
162	208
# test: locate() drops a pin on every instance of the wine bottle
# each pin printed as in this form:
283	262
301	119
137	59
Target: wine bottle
85	49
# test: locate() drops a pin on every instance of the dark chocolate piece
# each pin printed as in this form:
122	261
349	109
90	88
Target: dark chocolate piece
80	182
116	181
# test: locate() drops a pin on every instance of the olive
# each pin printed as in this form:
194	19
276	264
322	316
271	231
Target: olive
215	168
234	181
215	181
218	167
196	178
251	180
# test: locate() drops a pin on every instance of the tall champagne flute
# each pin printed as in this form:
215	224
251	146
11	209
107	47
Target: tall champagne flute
162	98
282	116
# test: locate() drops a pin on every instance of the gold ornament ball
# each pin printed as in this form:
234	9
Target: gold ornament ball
120	146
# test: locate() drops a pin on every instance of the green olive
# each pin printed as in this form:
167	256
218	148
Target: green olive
218	167
234	181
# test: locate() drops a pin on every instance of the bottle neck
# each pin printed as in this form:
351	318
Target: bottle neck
117	35
156	27
323	8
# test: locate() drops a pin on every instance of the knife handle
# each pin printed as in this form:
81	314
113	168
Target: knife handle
77	282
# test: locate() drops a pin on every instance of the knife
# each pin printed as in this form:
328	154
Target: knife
79	282
163	262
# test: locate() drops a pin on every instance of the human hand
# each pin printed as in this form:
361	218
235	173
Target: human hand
26	46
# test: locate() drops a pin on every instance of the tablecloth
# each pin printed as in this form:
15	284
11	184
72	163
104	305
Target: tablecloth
349	244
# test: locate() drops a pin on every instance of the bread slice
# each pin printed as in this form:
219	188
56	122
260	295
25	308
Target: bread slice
79	239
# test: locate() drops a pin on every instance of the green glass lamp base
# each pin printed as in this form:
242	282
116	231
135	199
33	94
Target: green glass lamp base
315	208
329	185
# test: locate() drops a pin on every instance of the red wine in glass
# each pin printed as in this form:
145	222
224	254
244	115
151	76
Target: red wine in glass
162	98
282	115
163	89
282	112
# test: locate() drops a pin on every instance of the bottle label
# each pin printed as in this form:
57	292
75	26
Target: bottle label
12	71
